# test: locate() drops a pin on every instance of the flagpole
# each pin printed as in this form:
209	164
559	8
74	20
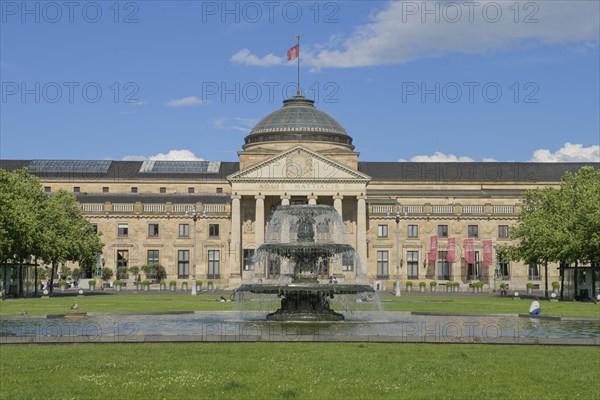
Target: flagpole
298	89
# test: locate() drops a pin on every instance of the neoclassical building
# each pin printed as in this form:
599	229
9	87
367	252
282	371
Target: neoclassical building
406	220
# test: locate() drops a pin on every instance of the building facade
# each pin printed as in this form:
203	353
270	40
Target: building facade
418	222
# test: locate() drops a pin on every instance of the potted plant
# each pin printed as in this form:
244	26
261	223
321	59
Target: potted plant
106	274
173	285
555	286
432	285
529	287
456	287
117	285
146	284
63	284
409	285
162	285
135	271
199	285
449	287
138	285
475	286
422	287
184	285
92	284
211	285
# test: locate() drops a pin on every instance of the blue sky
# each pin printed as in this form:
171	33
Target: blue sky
408	80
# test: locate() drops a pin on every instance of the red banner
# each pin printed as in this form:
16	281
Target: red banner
469	251
433	248
451	255
487	253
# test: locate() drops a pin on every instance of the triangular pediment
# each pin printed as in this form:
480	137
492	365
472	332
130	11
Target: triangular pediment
299	163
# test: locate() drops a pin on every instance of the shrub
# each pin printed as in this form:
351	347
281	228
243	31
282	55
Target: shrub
62	282
154	271
421	283
106	274
456	284
211	283
555	285
184	283
163	282
199	283
92	282
172	283
118	282
409	283
135	270
432	283
529	285
146	282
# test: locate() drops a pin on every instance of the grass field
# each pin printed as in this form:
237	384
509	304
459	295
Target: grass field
298	371
181	302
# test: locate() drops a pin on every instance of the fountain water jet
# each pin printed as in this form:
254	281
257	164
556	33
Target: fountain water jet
306	236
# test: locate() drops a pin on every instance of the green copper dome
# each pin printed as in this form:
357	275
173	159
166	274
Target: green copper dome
298	120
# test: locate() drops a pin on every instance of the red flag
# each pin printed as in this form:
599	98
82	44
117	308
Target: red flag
487	253
293	53
433	246
469	251
451	255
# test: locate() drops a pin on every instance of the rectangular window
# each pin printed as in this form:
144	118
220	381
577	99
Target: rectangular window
190	190
219	190
76	189
413	231
442	231
273	268
214	264
95	228
163	190
153	257
248	261
213	230
105	189
382	264
184	230
123	230
534	273
503	232
473	231
133	189
412	262
347	262
443	267
504	270
122	258
152	230
183	264
382	231
473	269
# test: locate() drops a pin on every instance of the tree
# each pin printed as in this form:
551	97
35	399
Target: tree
21	200
560	224
66	234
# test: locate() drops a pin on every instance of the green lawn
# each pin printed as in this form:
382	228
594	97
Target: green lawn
298	370
181	302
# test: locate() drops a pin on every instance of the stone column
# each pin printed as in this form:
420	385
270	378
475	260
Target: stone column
259	228
312	199
337	203
361	231
236	236
285	199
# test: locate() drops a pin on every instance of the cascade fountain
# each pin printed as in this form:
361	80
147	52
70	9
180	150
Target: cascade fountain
302	238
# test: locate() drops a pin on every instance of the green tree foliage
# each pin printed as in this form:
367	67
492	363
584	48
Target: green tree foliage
560	224
51	228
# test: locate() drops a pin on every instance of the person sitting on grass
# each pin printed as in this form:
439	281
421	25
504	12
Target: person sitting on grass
534	308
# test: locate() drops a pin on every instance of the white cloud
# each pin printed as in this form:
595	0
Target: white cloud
246	58
186	101
438	156
568	153
399	34
172	155
238	124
